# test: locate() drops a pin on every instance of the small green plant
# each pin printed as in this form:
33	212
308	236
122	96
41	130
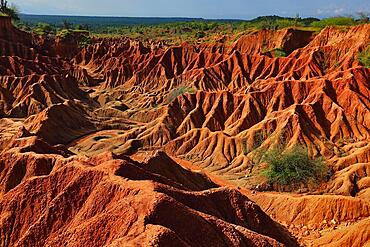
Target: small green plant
200	35
292	167
179	91
245	147
259	139
264	49
364	57
336	64
85	41
278	52
324	61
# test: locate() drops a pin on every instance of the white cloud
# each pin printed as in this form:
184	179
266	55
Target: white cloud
339	11
332	11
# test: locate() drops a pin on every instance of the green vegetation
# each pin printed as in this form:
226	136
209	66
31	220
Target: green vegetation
205	30
334	21
44	29
69	33
364	57
6	10
177	30
179	91
80	36
259	138
363	17
278	52
172	30
245	147
276	22
292	167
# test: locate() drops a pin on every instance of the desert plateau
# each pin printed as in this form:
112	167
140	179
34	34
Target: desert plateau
258	136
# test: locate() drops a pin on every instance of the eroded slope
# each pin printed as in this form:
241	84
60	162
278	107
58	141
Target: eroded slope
74	128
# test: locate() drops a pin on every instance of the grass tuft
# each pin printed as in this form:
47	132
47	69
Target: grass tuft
364	57
278	52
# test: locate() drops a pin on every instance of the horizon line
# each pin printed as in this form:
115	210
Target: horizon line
176	17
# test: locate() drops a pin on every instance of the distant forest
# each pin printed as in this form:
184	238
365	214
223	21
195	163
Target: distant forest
100	21
173	30
100	24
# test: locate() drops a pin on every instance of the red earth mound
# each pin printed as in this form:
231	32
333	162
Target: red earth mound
110	200
9	33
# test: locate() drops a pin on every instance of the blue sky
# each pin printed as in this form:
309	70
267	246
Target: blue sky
244	9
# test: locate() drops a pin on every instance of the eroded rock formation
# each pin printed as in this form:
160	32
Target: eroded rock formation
87	145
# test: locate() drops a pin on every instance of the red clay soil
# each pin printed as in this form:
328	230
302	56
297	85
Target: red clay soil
49	200
328	220
86	137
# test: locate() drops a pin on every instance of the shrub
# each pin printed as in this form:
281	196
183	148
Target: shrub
284	23
85	41
179	91
7	10
278	52
200	35
334	21
44	29
81	37
292	167
364	57
266	24
66	33
245	147
259	138
71	34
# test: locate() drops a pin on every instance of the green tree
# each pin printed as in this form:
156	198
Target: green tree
44	29
11	11
297	19
364	17
67	25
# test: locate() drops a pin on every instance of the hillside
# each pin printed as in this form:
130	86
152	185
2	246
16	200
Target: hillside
145	143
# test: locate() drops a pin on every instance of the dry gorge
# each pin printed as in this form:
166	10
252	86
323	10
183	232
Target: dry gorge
140	143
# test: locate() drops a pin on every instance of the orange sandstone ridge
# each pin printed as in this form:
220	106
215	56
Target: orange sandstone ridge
87	136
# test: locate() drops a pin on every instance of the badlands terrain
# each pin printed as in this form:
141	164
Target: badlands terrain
139	143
